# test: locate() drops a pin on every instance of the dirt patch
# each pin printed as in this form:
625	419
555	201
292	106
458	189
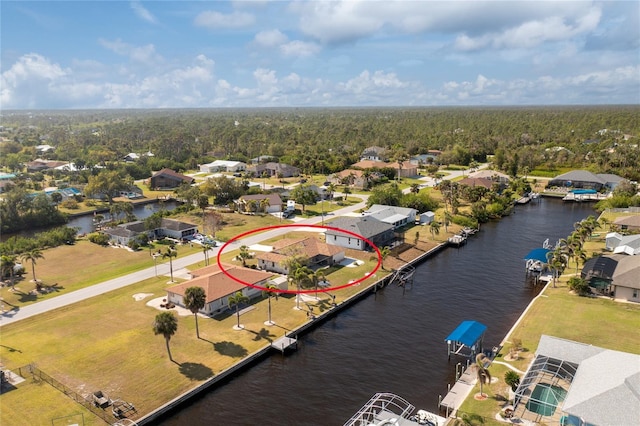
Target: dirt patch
141	296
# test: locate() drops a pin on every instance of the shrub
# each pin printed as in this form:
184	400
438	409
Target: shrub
69	203
512	379
579	285
98	238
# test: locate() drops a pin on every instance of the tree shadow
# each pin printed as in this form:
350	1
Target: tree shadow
10	349
230	349
262	334
194	371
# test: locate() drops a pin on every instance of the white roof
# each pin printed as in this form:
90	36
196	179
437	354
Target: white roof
224	163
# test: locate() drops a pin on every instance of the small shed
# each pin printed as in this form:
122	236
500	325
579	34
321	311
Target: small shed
427	217
466	339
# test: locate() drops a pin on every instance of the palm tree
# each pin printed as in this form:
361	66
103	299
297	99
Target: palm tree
235	300
415	188
32	255
434	228
269	291
264	205
557	262
299	275
205	249
166	324
384	253
316	278
170	254
330	190
346	191
482	372
244	255
467	420
194	300
203	203
8	267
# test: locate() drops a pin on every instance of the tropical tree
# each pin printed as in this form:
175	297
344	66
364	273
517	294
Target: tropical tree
8	267
170	254
415	188
316	278
166	324
32	256
556	260
384	253
244	254
205	249
467	419
579	285
303	195
482	372
236	300
56	197
346	191
269	292
194	300
512	379
203	203
434	228
264	205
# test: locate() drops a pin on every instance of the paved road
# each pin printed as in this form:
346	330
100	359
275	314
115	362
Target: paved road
18	314
12	316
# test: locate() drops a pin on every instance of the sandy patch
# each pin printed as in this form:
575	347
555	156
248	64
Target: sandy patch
141	296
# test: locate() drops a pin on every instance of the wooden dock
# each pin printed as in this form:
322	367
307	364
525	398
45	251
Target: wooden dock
284	343
459	392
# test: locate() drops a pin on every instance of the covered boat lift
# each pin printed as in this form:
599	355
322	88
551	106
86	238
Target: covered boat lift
466	339
537	259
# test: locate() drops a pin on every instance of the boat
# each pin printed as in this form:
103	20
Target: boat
457	240
388	409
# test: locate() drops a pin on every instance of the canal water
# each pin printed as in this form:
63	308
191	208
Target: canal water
393	342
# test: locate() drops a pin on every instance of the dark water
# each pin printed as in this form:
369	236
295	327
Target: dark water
392	342
85	223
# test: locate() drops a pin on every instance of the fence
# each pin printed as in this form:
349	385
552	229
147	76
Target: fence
39	375
624	210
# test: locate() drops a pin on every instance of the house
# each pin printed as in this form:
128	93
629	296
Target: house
223	166
39	165
625	283
598	386
167	178
476	182
586	180
272	169
374	153
218	286
379	233
135	231
618	243
263	159
628	223
393	215
354	178
427	217
423	159
273	203
317	253
492	175
405	170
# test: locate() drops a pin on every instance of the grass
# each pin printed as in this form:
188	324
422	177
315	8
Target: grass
237	224
596	321
106	343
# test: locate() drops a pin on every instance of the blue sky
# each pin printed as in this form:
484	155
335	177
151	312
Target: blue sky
174	54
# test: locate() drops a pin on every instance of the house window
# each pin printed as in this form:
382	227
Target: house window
335	237
349	240
635	293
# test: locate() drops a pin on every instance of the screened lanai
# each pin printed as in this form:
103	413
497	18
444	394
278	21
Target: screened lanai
543	389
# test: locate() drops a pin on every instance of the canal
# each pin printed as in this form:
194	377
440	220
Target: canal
393	342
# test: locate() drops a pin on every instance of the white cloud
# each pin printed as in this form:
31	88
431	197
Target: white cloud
213	20
143	54
142	12
270	38
299	48
28	82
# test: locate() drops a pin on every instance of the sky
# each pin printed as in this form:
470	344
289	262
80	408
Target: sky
344	53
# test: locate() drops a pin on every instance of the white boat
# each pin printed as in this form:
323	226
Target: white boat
388	409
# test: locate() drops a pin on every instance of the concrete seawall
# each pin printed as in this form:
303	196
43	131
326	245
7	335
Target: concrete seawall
253	358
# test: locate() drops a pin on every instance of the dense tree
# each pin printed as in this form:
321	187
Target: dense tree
303	195
388	194
107	183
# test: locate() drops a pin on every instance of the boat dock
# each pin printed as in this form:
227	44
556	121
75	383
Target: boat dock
457	240
284	343
459	392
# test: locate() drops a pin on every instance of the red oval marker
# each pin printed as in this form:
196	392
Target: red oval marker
323	290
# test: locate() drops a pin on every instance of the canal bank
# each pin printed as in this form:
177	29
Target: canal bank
315	321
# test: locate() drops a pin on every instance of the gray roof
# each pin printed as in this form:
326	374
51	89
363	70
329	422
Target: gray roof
581	176
627	273
176	225
368	227
606	387
406	211
610	178
628	220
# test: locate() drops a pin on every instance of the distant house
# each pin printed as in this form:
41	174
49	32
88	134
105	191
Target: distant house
218	287
374	153
393	215
406	169
274	202
317	253
586	180
44	148
272	169
474	182
630	223
263	159
223	166
379	233
423	159
167	178
492	175
626	244
134	231
133	156
40	165
353	177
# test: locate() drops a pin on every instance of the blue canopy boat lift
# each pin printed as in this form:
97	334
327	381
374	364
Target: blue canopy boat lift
537	260
466	339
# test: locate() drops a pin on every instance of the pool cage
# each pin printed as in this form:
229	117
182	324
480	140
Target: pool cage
544	387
